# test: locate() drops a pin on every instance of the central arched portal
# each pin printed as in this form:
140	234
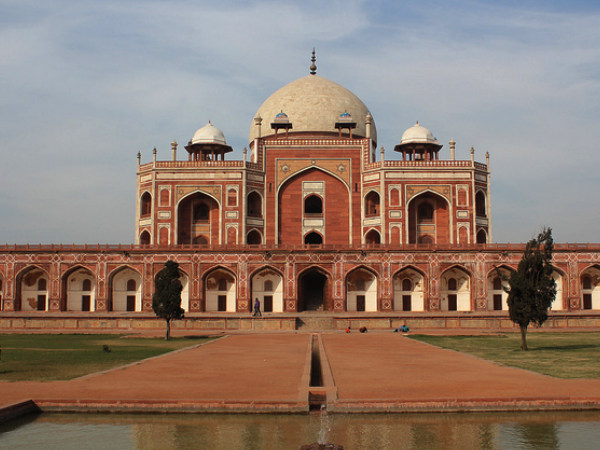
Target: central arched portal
313	292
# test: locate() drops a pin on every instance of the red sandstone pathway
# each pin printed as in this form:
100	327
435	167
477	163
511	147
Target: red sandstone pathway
271	372
268	368
391	368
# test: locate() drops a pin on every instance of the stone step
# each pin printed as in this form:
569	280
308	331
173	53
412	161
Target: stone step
307	323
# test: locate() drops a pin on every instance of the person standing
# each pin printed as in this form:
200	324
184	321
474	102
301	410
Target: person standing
257	312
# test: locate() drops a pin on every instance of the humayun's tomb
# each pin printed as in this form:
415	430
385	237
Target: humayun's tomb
314	221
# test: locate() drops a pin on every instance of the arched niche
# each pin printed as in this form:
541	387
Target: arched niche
146	204
254	205
456	290
409	290
145	238
198	220
313	238
125	287
254	238
373	237
429	215
482	236
267	286
372	204
590	288
480	208
32	290
497	281
80	290
314	286
220	290
361	290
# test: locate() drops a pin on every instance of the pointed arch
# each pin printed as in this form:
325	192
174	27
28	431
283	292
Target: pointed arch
292	223
373	237
78	289
496	285
267	285
480	204
313	168
254	237
145	238
372	203
145	204
313	238
120	297
314	289
220	289
313	205
198	219
429	214
361	289
456	289
32	289
409	289
254	204
482	236
589	280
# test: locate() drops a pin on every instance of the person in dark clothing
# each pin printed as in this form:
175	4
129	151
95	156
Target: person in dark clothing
257	312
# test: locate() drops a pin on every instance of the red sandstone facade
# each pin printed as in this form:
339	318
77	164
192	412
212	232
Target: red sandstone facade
310	219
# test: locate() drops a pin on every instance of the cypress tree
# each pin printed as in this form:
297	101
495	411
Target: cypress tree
166	301
531	288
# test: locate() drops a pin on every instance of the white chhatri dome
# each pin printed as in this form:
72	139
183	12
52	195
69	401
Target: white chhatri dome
312	103
418	134
208	134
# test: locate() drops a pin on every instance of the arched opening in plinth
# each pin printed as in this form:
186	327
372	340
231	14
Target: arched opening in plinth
267	287
590	288
313	291
78	290
409	290
497	283
361	290
32	290
220	290
125	290
456	290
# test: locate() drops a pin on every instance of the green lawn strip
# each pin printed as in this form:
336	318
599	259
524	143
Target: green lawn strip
62	357
562	355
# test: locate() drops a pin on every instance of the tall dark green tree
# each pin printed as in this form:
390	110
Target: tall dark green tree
531	288
166	301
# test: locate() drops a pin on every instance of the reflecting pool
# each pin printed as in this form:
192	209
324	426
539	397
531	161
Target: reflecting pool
565	430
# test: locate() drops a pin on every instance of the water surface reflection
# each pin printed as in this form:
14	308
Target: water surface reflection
560	431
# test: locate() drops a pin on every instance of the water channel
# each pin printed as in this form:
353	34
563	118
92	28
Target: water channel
565	430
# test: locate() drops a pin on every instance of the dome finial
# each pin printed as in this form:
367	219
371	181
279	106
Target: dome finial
313	67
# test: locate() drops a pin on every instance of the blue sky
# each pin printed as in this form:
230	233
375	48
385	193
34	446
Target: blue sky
85	85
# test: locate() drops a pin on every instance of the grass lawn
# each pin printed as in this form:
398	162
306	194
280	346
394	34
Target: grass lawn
46	357
563	355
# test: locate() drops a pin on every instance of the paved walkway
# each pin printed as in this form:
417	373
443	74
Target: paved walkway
270	372
393	372
233	373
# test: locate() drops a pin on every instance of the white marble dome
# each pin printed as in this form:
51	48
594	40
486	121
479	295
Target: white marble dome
312	103
418	134
208	134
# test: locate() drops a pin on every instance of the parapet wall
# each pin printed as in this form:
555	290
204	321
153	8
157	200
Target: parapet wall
144	323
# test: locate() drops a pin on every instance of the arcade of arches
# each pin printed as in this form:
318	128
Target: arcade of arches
314	288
